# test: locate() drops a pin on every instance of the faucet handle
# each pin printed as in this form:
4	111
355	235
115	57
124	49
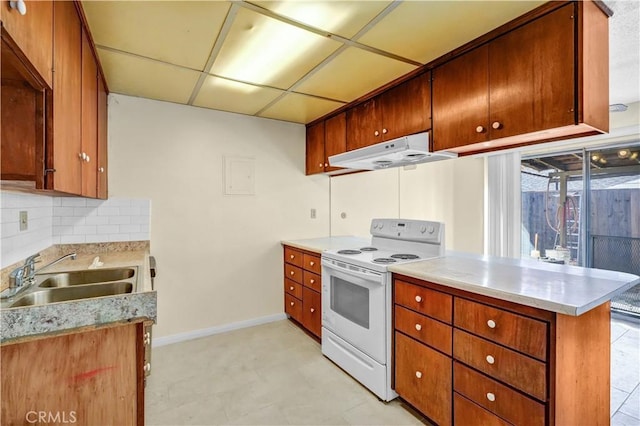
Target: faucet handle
33	259
17	276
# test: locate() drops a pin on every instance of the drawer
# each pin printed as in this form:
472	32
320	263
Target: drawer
311	280
312	263
293	288
511	367
426	301
424	329
467	413
293	273
497	398
293	307
293	256
523	334
423	378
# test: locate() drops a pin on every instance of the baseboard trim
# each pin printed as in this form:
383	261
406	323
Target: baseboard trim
204	332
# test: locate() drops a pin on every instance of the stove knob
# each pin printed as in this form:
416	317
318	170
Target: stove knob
431	229
381	226
423	229
375	225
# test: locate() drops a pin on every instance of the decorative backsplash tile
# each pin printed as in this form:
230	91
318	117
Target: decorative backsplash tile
68	220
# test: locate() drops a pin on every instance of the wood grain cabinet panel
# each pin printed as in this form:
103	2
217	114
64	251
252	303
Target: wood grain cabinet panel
423	378
315	149
497	398
406	108
311	311
523	334
293	256
312	263
293	273
33	34
466	413
513	368
293	307
311	280
431	332
335	138
89	123
428	302
103	157
293	288
363	121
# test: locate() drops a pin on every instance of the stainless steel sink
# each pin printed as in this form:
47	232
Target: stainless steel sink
52	295
66	279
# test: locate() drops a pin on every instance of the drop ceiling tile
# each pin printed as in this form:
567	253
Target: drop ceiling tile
342	18
178	32
146	78
227	95
353	73
430	29
265	51
300	108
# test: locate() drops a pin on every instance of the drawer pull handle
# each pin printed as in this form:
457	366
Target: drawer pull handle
418	299
479	129
490	359
418	375
491	324
312	310
491	397
418	327
312	263
496	125
292	273
291	288
312	281
292	256
291	303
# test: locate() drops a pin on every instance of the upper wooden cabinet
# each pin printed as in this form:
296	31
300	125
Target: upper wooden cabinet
531	84
32	33
402	110
325	139
102	162
89	122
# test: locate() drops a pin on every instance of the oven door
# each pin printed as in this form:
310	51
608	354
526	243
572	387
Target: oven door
354	307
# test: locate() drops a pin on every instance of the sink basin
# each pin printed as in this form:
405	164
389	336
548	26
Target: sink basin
66	279
52	295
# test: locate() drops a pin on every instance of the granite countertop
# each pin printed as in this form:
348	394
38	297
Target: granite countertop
24	323
318	245
569	290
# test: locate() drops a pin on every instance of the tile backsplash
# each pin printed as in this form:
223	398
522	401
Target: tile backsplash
68	220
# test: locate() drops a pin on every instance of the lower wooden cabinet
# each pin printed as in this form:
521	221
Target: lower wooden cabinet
467	413
91	378
302	286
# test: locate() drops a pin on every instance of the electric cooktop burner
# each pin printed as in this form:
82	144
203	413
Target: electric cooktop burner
383	260
349	252
369	249
404	256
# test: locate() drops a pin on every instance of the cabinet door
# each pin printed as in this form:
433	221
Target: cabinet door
102	140
461	100
33	34
364	125
67	98
335	138
406	109
311	311
89	119
532	76
315	149
423	378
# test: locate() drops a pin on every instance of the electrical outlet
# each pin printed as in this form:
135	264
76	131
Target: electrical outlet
313	213
24	220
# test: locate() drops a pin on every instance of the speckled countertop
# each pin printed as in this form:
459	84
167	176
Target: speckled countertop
318	245
21	323
564	289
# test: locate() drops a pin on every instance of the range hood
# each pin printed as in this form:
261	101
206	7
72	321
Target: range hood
404	151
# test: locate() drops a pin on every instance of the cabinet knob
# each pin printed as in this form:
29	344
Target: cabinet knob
292	256
496	125
147	367
82	156
418	374
291	303
326	164
101	169
491	397
312	310
320	165
418	299
418	327
376	133
311	281
491	324
384	131
490	359
311	263
292	273
479	129
20	6
291	288
87	159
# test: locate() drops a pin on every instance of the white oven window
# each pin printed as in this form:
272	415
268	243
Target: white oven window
350	301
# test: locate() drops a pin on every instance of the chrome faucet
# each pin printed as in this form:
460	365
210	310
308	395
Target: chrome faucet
23	276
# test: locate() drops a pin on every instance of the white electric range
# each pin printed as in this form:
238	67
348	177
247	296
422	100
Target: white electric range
356	297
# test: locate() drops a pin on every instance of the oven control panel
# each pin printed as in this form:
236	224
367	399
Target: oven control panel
409	230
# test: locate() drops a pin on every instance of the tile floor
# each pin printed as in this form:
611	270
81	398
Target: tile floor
274	374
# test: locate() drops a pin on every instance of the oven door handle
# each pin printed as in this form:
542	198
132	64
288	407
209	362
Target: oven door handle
366	276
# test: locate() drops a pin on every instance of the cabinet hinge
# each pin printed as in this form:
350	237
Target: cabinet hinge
49	171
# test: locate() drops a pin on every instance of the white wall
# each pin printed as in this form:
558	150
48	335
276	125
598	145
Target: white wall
219	256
